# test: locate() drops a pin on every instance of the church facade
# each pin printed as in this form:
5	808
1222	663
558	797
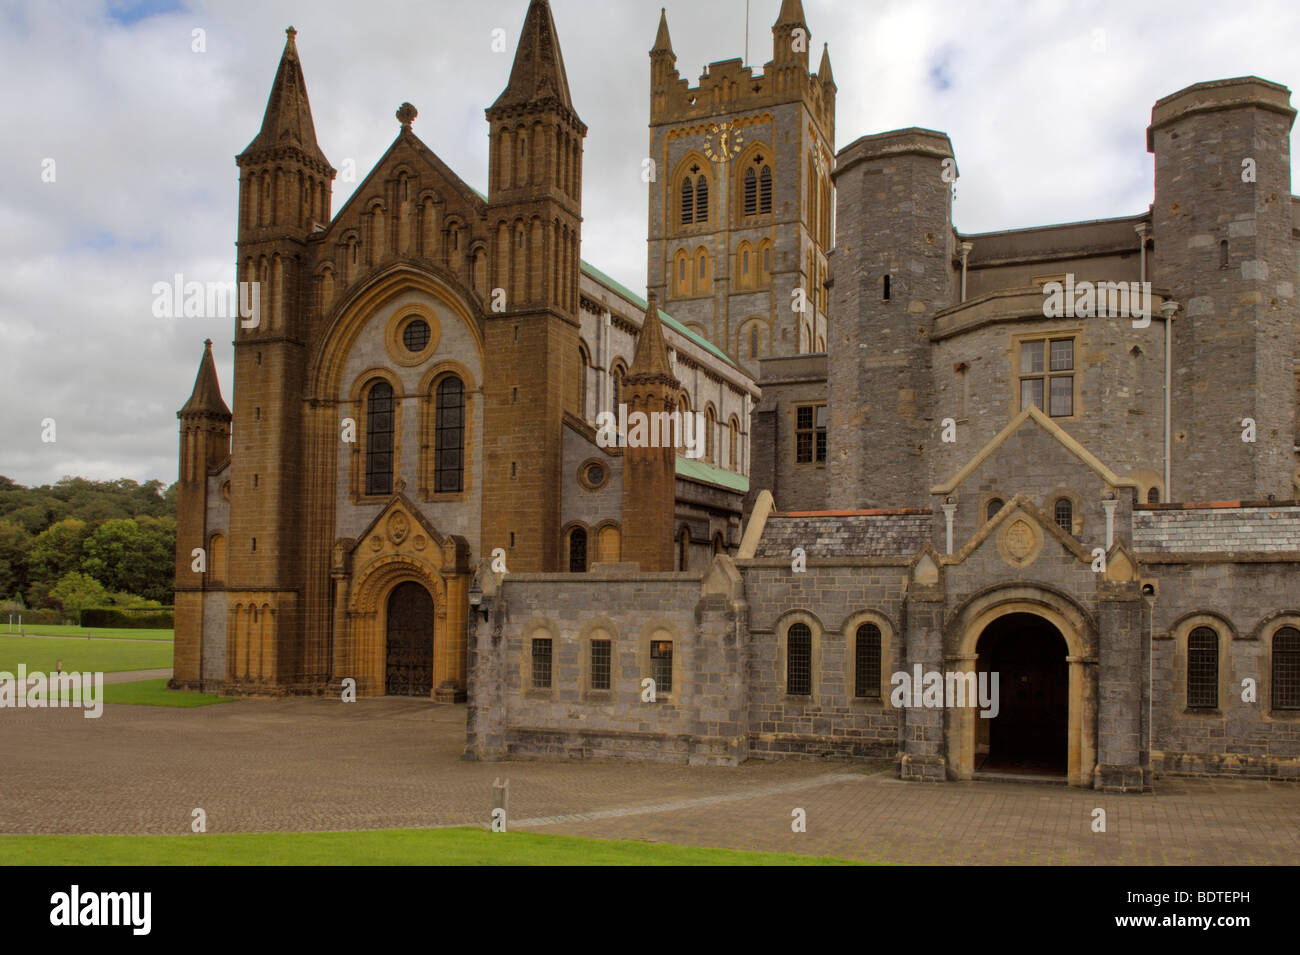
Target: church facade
1020	502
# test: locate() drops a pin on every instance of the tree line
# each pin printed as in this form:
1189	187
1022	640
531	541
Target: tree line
80	543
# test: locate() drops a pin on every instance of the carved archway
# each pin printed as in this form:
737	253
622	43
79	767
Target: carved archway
1076	628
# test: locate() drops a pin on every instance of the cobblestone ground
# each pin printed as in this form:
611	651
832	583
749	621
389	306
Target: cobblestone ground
265	765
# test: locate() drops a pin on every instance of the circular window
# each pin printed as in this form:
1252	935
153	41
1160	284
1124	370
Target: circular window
593	474
416	335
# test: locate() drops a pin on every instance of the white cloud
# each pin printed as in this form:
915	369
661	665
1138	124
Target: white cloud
144	133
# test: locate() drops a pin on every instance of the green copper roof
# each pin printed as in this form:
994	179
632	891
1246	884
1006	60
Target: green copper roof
703	471
664	317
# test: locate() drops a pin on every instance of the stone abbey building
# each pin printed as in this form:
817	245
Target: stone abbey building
1060	461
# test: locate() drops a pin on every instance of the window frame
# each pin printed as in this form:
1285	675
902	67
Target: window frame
818	440
1046	375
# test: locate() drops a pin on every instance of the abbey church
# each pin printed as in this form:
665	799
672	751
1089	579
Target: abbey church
911	467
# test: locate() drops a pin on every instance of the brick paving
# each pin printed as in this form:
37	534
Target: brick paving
299	765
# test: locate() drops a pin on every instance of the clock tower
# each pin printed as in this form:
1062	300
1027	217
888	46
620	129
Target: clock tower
741	199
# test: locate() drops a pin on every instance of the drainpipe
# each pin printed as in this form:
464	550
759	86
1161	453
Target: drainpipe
965	254
1141	230
949	508
1167	310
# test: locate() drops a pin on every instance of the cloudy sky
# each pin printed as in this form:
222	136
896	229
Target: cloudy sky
1046	104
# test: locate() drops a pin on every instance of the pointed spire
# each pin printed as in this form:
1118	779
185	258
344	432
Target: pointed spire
287	121
663	43
651	357
206	397
538	71
791	14
824	74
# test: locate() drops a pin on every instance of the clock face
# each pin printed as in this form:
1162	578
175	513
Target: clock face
723	142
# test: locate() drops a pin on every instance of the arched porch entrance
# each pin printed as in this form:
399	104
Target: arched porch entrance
409	636
1030	733
1038	641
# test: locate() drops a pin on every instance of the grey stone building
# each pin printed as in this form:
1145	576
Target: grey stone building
1025	502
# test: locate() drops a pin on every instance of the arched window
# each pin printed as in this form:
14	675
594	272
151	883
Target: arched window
1286	669
718	546
688	202
753	340
767	262
583	362
577	551
1203	669
866	662
798	658
1063	513
702	271
991	509
751	191
710	424
1153	496
449	437
733	444
765	190
682	279
379	439
617	373
701	200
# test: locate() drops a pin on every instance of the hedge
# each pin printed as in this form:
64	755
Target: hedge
117	617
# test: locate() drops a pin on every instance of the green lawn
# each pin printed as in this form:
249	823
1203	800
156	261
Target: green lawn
83	655
155	693
55	630
377	847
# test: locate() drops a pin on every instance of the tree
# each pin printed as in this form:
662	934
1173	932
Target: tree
56	551
76	592
14	544
113	555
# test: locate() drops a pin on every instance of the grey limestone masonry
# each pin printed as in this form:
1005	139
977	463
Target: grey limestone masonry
1059	510
787	383
891	269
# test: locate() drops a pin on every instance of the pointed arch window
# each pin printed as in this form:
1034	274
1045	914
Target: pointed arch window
617	373
765	190
449	437
751	191
688	202
701	199
379	438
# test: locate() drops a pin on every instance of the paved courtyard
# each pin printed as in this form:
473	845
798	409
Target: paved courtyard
310	764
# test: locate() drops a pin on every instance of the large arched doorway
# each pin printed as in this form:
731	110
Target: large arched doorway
1030	733
410	619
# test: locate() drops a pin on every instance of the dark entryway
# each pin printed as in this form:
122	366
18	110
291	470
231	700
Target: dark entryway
1031	731
410	641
